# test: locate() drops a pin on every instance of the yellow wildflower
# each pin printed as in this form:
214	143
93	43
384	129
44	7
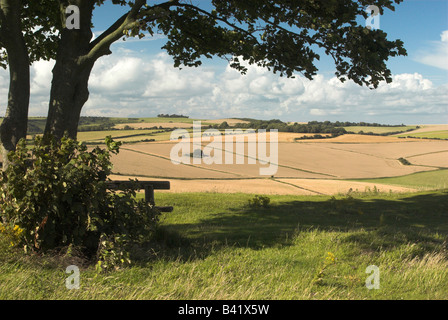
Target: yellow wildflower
330	258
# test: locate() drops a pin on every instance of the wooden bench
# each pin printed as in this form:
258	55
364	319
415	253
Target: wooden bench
148	186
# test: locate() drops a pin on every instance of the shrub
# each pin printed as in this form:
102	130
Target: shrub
197	153
55	191
259	201
404	161
12	235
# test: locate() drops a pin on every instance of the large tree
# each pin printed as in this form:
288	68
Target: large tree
281	35
27	34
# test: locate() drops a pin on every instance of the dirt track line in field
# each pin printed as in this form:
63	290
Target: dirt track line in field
184	164
124	174
386	158
298	187
280	165
424	154
271	186
430	127
235	153
357	152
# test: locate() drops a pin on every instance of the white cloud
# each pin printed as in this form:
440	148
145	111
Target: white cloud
127	84
318	112
436	54
166	81
118	75
41	75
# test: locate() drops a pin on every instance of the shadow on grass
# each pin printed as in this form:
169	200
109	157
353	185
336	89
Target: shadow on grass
384	221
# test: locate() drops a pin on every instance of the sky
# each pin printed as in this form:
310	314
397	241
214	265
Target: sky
139	80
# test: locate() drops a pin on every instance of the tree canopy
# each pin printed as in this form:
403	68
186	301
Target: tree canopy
280	35
283	36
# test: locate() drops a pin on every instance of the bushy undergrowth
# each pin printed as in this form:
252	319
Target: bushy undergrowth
56	193
259	202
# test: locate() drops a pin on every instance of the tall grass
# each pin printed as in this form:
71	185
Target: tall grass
216	246
429	180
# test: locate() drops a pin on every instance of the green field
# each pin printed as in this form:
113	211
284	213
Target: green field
119	135
443	134
167	120
215	246
430	180
378	130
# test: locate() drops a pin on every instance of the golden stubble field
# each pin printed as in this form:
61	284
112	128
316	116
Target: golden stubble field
304	167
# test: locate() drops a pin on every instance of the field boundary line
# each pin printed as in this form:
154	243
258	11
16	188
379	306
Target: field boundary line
298	187
185	164
424	154
385	158
357	152
281	165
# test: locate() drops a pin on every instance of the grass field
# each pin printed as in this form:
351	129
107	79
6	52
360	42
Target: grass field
314	241
115	134
215	246
124	135
378	130
432	180
156	120
442	134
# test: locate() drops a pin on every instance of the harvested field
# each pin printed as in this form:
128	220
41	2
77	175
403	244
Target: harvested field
257	186
359	138
271	186
160	150
304	160
341	163
430	127
394	150
439	159
304	167
132	163
331	187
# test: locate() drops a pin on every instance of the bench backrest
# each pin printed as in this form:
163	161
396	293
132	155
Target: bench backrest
157	185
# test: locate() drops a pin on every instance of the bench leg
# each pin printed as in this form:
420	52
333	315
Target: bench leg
149	195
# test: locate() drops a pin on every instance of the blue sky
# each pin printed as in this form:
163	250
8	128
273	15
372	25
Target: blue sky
419	24
139	79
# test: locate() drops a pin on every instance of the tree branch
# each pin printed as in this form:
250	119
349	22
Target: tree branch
232	25
101	45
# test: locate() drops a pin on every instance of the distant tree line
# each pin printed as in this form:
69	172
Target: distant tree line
172	116
364	124
425	138
316	127
310	127
316	136
390	133
36	125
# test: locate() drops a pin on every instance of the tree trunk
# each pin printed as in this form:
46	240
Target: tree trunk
69	87
74	62
69	93
15	123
